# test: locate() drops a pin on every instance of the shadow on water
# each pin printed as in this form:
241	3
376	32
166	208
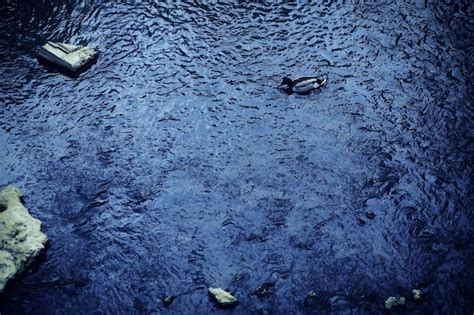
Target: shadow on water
174	163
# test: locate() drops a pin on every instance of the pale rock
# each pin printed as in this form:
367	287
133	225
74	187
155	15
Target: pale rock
21	239
222	297
70	58
417	294
393	301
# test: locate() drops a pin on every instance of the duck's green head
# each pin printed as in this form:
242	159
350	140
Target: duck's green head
286	83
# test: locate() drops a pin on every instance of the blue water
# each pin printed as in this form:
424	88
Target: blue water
175	164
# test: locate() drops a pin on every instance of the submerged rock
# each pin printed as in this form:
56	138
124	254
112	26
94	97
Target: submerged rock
417	294
21	239
311	299
167	300
222	297
70	59
263	289
370	215
393	302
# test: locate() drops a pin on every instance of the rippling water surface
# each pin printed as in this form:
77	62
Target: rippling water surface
174	163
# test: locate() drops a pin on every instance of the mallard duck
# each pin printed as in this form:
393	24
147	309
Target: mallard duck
303	85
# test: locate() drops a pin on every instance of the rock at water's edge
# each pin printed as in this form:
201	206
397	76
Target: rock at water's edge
222	297
21	239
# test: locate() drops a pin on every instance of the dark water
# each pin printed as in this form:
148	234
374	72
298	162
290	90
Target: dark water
174	164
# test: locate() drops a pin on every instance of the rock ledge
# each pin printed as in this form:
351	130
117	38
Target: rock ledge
21	239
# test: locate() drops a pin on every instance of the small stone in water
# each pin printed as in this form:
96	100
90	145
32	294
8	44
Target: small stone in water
310	299
2	207
417	294
222	297
394	302
361	221
167	300
263	289
370	215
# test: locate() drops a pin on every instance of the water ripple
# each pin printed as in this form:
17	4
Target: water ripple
175	164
